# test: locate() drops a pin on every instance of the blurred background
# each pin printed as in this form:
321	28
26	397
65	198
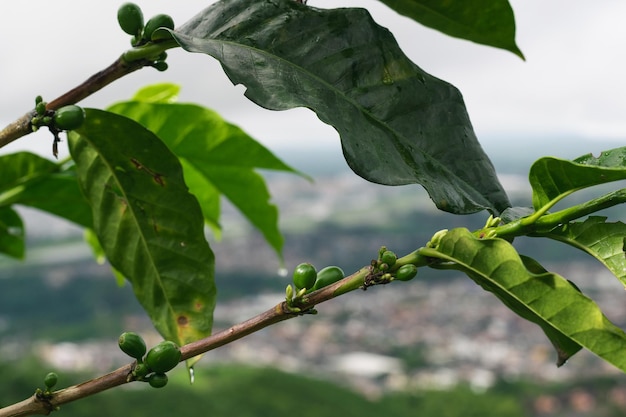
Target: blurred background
438	344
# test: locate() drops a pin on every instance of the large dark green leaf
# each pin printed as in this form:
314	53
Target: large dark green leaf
218	158
569	318
398	124
150	227
489	22
553	178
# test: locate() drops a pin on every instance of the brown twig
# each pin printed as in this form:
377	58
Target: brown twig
119	68
43	405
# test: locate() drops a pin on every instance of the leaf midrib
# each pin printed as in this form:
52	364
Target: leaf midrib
449	258
111	169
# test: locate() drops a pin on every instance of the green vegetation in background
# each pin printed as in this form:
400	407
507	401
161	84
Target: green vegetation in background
232	390
81	305
242	391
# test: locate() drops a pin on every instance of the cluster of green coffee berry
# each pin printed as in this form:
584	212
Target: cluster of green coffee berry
66	118
383	268
307	279
153	366
130	19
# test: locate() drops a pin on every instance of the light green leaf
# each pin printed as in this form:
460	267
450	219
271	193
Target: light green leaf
92	240
31	180
217	157
28	179
149	225
158	93
488	22
553	178
569	318
12	241
398	124
58	194
18	168
207	194
602	240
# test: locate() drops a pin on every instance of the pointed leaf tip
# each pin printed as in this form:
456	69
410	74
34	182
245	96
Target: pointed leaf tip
487	22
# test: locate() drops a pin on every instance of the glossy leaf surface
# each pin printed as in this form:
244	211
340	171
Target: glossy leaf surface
569	318
148	224
217	158
398	124
488	22
603	240
553	178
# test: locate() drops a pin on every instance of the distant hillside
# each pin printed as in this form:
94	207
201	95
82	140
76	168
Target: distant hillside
509	154
513	155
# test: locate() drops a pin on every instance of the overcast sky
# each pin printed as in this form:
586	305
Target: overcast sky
571	84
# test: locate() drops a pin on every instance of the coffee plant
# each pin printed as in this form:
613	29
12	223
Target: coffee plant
145	176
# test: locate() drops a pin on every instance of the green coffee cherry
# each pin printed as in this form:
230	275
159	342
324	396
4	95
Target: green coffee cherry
389	258
132	344
69	117
327	276
141	370
157	380
304	276
163	357
158	21
40	107
406	272
130	18
50	380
